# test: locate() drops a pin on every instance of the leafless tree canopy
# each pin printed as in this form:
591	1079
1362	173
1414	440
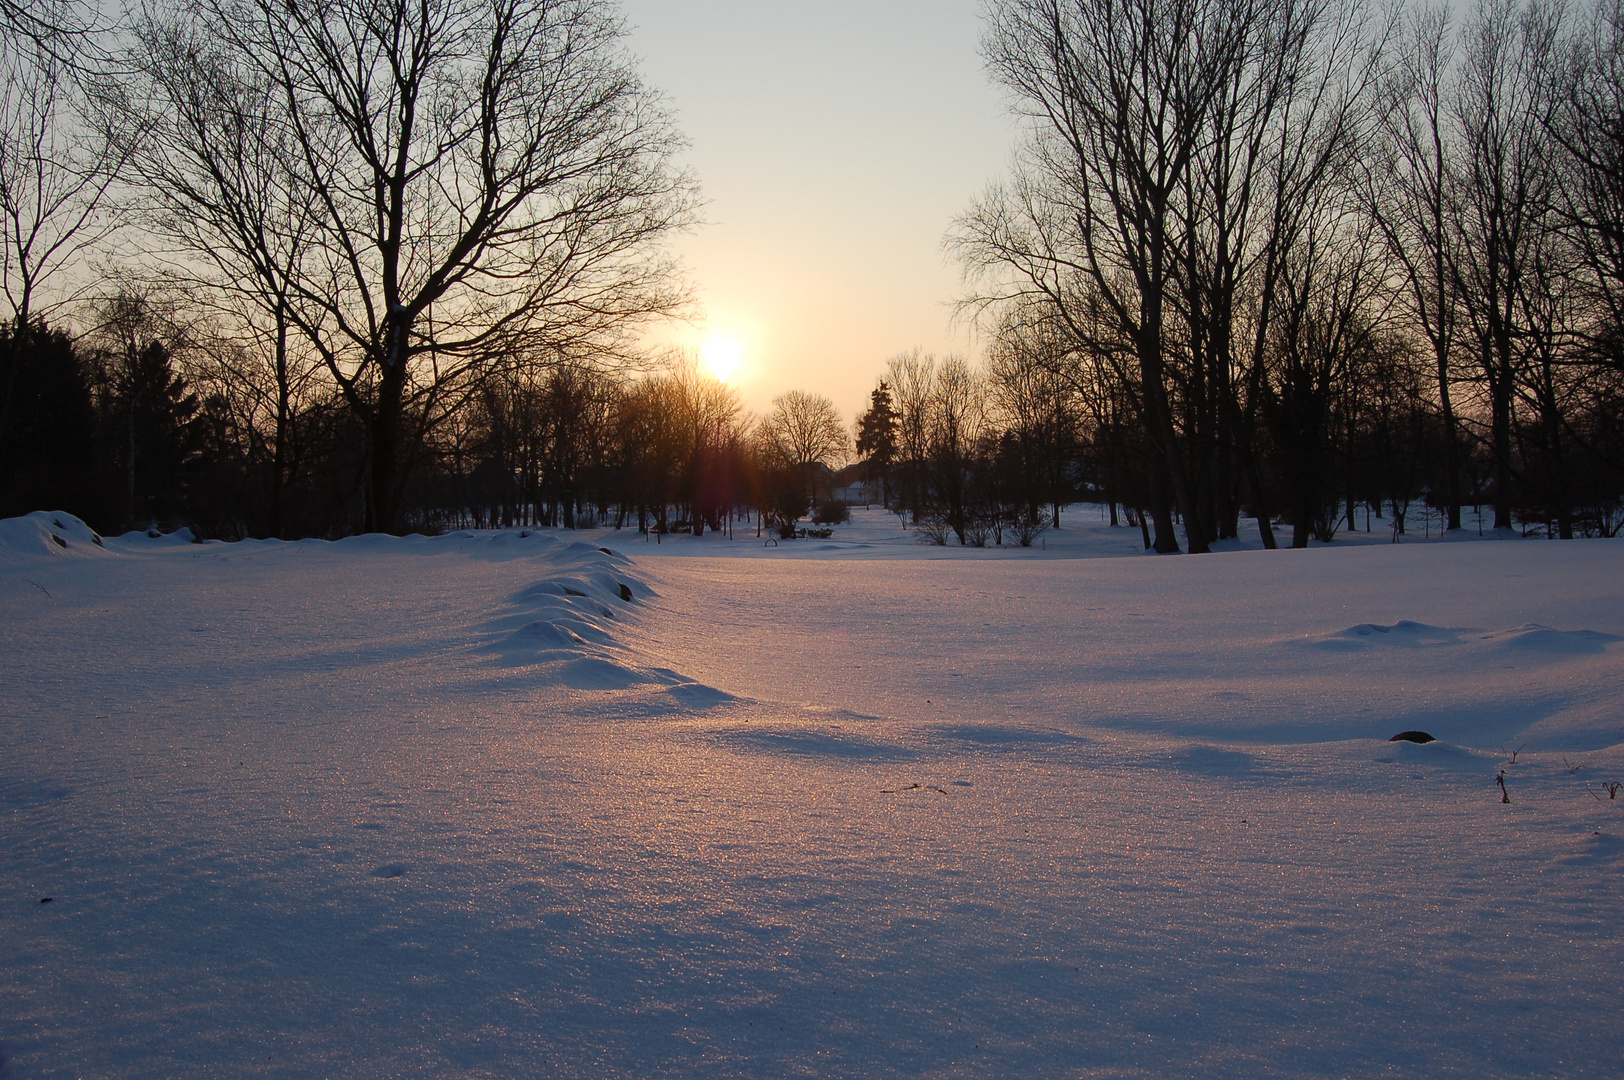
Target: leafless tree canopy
422	193
1282	240
1307	261
805	430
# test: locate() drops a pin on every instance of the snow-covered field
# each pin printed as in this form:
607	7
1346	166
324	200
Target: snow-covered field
503	804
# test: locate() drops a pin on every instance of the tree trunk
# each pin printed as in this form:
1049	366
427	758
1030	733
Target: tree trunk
1260	507
388	479
284	420
1500	422
1451	444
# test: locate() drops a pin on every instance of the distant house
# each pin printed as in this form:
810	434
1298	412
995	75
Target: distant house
851	488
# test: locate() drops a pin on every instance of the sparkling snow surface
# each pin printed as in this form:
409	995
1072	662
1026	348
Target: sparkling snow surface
501	804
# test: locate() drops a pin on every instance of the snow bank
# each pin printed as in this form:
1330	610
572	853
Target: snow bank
47	534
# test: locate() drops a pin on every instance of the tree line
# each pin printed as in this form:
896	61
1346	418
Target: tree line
138	424
341	223
1290	258
281	268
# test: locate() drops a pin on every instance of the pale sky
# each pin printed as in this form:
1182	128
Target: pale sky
834	143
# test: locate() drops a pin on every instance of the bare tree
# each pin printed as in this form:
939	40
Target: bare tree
1409	186
958	417
806	431
54	179
65	33
1587	96
216	175
1288	118
912	376
487	182
1118	93
1503	186
1175	147
1331	306
1032	390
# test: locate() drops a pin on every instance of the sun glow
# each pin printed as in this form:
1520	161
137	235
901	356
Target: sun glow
723	356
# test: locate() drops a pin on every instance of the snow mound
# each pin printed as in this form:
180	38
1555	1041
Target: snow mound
597	673
1533	637
1528	638
1403	634
1438	754
661	693
47	534
698	696
149	538
562	626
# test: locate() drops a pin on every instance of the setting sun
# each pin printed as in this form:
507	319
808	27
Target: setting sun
723	356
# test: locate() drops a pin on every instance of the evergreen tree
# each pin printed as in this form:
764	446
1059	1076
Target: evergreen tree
152	418
877	436
47	437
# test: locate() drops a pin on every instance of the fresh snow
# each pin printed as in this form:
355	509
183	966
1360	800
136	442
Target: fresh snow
507	804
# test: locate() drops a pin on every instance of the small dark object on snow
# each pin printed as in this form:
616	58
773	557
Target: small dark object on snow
390	870
606	551
1412	736
46	899
59	541
625	592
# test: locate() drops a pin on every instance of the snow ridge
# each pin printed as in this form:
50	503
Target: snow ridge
564	626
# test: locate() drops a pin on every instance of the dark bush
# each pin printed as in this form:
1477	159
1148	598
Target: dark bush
831	512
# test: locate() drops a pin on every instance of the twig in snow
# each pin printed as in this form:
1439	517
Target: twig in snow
1500	778
40	587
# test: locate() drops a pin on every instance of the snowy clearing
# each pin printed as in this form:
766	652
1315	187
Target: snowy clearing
503	804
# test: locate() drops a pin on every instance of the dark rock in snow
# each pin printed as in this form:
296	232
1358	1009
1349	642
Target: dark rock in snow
625	592
1412	736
